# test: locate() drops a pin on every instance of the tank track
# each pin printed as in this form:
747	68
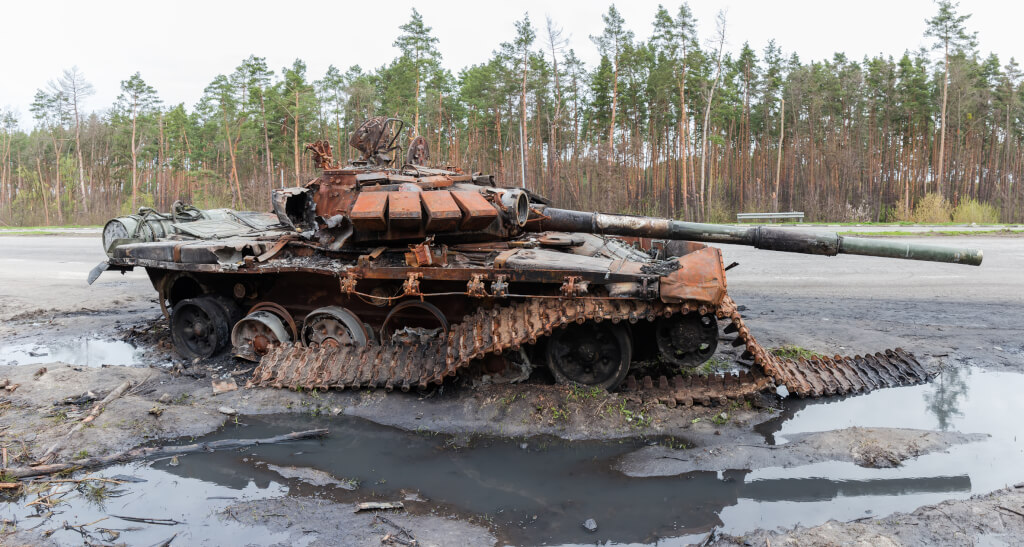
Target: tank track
507	328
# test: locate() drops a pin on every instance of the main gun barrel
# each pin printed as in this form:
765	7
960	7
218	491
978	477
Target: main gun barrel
771	239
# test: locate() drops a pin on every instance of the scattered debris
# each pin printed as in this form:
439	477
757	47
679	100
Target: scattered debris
156	411
312	476
51	453
82	399
224	386
403	537
590	525
379	506
39	373
156	452
143	520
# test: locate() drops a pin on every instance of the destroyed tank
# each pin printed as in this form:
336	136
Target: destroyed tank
384	276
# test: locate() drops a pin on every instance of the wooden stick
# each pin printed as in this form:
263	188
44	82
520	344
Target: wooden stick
157	451
1018	513
50	454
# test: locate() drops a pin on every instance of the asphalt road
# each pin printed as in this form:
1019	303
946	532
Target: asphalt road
830	304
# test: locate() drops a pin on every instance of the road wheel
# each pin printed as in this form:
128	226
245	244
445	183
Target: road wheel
200	327
687	340
592	354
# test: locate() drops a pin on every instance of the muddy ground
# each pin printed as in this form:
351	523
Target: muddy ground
949	316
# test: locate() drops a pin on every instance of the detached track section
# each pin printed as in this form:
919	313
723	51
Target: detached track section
829	375
507	328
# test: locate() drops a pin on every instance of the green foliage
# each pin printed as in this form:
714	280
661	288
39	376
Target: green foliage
856	130
795	352
142	200
972	211
579	392
637	419
714	365
509	399
559	413
931	209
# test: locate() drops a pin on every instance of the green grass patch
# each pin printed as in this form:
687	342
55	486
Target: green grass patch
795	352
579	392
714	365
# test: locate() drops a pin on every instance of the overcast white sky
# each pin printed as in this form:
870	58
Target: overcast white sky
180	45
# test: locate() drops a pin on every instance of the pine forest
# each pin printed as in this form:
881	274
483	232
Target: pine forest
664	124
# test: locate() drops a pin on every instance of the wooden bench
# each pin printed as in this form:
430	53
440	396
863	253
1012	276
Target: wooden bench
798	215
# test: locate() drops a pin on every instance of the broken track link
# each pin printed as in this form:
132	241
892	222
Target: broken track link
823	376
493	331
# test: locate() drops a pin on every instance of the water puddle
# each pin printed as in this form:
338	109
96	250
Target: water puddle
86	352
541	490
188	500
966	399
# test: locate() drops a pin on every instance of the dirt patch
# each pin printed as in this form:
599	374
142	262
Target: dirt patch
33	417
993	519
866	447
318	522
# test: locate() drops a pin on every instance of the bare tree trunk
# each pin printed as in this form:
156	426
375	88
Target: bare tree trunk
554	43
43	190
615	102
295	136
707	109
778	163
522	119
684	130
135	162
942	130
266	145
78	150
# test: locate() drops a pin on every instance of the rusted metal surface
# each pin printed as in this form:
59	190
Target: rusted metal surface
370	211
419	152
477	212
375	139
507	328
322	157
700	277
443	214
404	210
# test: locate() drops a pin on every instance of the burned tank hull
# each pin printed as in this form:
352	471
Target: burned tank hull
400	278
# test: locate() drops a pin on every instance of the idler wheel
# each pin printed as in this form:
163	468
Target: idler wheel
592	354
281	312
200	327
257	333
416	315
687	340
333	326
